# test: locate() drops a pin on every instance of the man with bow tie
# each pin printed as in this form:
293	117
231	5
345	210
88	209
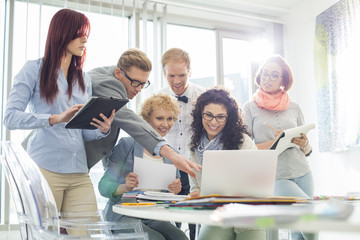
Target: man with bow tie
176	68
126	80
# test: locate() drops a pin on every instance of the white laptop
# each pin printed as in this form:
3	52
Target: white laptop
239	172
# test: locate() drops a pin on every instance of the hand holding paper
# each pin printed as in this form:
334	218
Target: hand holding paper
131	181
153	175
175	186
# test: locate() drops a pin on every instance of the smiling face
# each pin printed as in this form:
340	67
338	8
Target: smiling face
77	46
135	74
271	86
162	121
177	74
213	127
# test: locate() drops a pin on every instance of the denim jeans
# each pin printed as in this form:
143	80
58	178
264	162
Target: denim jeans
297	187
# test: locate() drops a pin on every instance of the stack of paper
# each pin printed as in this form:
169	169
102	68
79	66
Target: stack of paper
130	197
214	201
160	196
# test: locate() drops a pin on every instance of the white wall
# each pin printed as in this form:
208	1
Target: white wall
337	173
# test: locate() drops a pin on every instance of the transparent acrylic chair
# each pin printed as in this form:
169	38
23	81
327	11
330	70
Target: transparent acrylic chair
36	207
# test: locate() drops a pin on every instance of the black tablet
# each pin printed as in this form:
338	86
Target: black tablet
92	109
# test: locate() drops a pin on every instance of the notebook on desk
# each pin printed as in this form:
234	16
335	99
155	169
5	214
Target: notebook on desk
239	172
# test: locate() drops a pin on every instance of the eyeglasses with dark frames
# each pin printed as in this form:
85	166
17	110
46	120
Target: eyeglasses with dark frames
273	76
135	83
209	117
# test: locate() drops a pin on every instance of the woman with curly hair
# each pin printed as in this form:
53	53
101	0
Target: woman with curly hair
217	125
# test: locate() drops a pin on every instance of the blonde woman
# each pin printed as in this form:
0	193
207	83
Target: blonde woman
160	111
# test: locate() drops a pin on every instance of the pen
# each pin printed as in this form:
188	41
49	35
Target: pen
270	126
138	204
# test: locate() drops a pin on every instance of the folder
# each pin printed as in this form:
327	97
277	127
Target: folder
92	109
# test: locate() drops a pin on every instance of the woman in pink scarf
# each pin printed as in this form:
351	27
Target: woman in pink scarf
272	111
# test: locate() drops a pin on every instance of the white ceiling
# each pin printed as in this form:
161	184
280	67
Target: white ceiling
215	14
271	9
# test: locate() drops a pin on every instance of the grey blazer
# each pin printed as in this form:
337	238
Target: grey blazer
104	84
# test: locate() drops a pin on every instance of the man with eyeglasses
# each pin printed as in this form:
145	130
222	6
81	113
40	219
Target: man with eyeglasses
176	68
126	80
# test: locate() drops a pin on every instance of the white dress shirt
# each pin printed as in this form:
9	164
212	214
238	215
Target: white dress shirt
179	136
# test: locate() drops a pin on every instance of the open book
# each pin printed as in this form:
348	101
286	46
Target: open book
283	140
92	108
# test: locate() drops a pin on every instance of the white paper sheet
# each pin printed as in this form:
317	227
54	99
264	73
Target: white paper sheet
154	175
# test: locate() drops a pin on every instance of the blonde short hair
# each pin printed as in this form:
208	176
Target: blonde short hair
133	57
160	101
176	54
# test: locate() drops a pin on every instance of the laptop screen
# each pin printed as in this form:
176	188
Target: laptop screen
239	172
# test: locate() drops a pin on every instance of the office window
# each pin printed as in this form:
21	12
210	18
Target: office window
237	68
199	43
2	68
105	44
155	75
241	55
201	46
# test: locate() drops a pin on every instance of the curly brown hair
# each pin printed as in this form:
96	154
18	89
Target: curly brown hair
234	129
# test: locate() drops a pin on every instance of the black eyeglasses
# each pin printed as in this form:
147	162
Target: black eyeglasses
210	117
135	83
273	76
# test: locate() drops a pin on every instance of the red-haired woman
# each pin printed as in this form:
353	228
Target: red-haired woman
55	88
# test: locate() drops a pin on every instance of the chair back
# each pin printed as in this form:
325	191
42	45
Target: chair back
32	195
36	207
17	199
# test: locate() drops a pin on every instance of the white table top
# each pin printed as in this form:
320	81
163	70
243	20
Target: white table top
164	214
352	224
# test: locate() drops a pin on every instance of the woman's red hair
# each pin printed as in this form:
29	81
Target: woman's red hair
65	26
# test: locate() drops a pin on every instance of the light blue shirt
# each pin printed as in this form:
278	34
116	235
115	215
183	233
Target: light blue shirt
53	148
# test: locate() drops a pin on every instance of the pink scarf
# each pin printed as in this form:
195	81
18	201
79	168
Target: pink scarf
276	102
